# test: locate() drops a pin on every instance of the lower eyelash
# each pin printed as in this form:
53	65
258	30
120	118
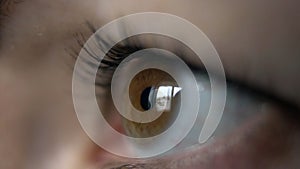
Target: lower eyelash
131	166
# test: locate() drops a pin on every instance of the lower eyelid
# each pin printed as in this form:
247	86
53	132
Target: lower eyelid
259	142
262	138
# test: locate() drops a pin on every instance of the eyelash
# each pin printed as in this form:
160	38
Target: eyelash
120	51
111	60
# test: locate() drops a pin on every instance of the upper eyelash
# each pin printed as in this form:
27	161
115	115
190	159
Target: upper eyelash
119	52
112	58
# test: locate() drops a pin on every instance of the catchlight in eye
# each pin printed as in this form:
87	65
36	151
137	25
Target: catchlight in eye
153	89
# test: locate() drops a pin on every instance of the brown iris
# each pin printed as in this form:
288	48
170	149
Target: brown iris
153	89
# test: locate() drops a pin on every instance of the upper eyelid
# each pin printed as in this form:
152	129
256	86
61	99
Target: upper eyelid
256	90
7	7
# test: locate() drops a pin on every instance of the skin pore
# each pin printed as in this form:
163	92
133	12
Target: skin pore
258	43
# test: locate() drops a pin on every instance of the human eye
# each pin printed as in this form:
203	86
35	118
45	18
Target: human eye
257	43
249	119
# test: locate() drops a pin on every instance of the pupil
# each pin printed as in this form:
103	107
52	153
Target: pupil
145	102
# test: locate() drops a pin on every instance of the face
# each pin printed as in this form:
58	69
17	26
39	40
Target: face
258	44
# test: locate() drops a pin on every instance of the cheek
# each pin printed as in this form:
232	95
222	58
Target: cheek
270	140
11	122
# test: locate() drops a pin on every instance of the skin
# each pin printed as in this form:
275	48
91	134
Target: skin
258	43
